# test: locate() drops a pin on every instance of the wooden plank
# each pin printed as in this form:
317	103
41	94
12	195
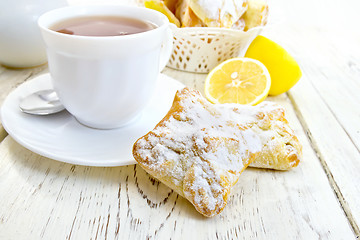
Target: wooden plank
332	133
3	133
10	79
57	200
327	97
192	80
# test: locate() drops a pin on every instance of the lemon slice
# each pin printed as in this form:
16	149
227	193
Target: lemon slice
284	70
238	80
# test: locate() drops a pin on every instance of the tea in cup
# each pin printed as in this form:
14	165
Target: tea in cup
104	60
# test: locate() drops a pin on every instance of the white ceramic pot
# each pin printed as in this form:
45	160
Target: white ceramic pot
21	44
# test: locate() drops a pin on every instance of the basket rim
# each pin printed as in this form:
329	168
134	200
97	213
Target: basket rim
213	29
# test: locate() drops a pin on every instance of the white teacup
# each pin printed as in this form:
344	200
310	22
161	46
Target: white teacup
105	82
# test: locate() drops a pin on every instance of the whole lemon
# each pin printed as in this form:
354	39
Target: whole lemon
284	70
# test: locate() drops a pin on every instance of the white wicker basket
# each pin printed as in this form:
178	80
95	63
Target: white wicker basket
200	49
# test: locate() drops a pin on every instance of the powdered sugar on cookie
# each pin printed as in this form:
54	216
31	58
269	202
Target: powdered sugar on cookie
200	149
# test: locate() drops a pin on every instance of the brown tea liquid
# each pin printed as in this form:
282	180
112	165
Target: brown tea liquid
101	26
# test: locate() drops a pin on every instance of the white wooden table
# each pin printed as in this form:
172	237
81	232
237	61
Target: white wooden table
41	198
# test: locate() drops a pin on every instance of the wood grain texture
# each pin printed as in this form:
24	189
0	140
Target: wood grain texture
327	97
10	79
43	198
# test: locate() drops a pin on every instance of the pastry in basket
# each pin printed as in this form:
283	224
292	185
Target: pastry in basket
200	149
211	13
171	4
186	15
256	14
234	14
165	8
218	13
239	25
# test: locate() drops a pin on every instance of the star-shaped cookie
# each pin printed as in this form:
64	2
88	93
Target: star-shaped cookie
200	149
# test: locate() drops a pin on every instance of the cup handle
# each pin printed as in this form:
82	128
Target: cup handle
166	48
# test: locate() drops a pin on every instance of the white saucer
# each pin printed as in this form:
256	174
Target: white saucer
62	138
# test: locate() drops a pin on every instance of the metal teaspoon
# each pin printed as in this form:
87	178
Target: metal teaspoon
42	102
